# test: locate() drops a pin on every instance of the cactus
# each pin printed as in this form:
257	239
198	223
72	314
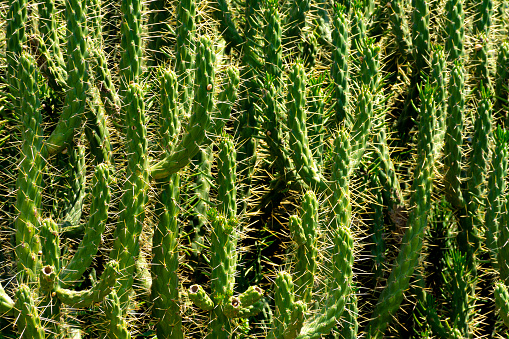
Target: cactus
310	129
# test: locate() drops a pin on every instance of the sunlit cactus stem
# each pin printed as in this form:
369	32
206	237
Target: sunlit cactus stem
28	199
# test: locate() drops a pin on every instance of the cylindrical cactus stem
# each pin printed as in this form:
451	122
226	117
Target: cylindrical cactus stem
28	320
339	68
96	293
304	232
478	169
117	324
202	166
77	79
481	61
461	303
126	245
454	136
200	298
502	79
227	26
495	198
272	47
358	34
226	178
51	240
6	303
200	119
296	20
315	124
166	308
421	35
223	260
438	77
454	42
378	246
399	279
370	65
158	29
483	16
185	51
96	129
101	71
28	199
299	144
350	317
503	243
362	126
400	28
502	302
49	44
169	118
251	296
95	228
226	99
289	316
16	38
131	46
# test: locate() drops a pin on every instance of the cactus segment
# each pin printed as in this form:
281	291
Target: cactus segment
185	51
126	244
200	298
296	20
251	296
286	309
77	79
165	285
95	294
503	243
460	291
349	319
304	233
95	228
484	13
362	126
453	136
169	119
6	303
226	178
299	144
228	29
316	120
496	188
49	43
420	34
96	129
223	261
131	47
15	33
339	68
28	321
400	27
378	247
399	279
454	48
226	100
28	199
502	302
117	327
51	240
438	75
200	119
502	78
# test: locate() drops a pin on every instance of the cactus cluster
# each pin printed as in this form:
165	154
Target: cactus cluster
254	169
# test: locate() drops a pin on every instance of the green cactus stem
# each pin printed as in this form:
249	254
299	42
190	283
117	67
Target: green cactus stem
400	28
304	233
118	326
95	294
15	33
502	302
454	43
399	279
94	230
6	303
495	197
77	80
454	137
28	199
200	298
185	51
227	26
130	223
28	320
339	66
199	121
